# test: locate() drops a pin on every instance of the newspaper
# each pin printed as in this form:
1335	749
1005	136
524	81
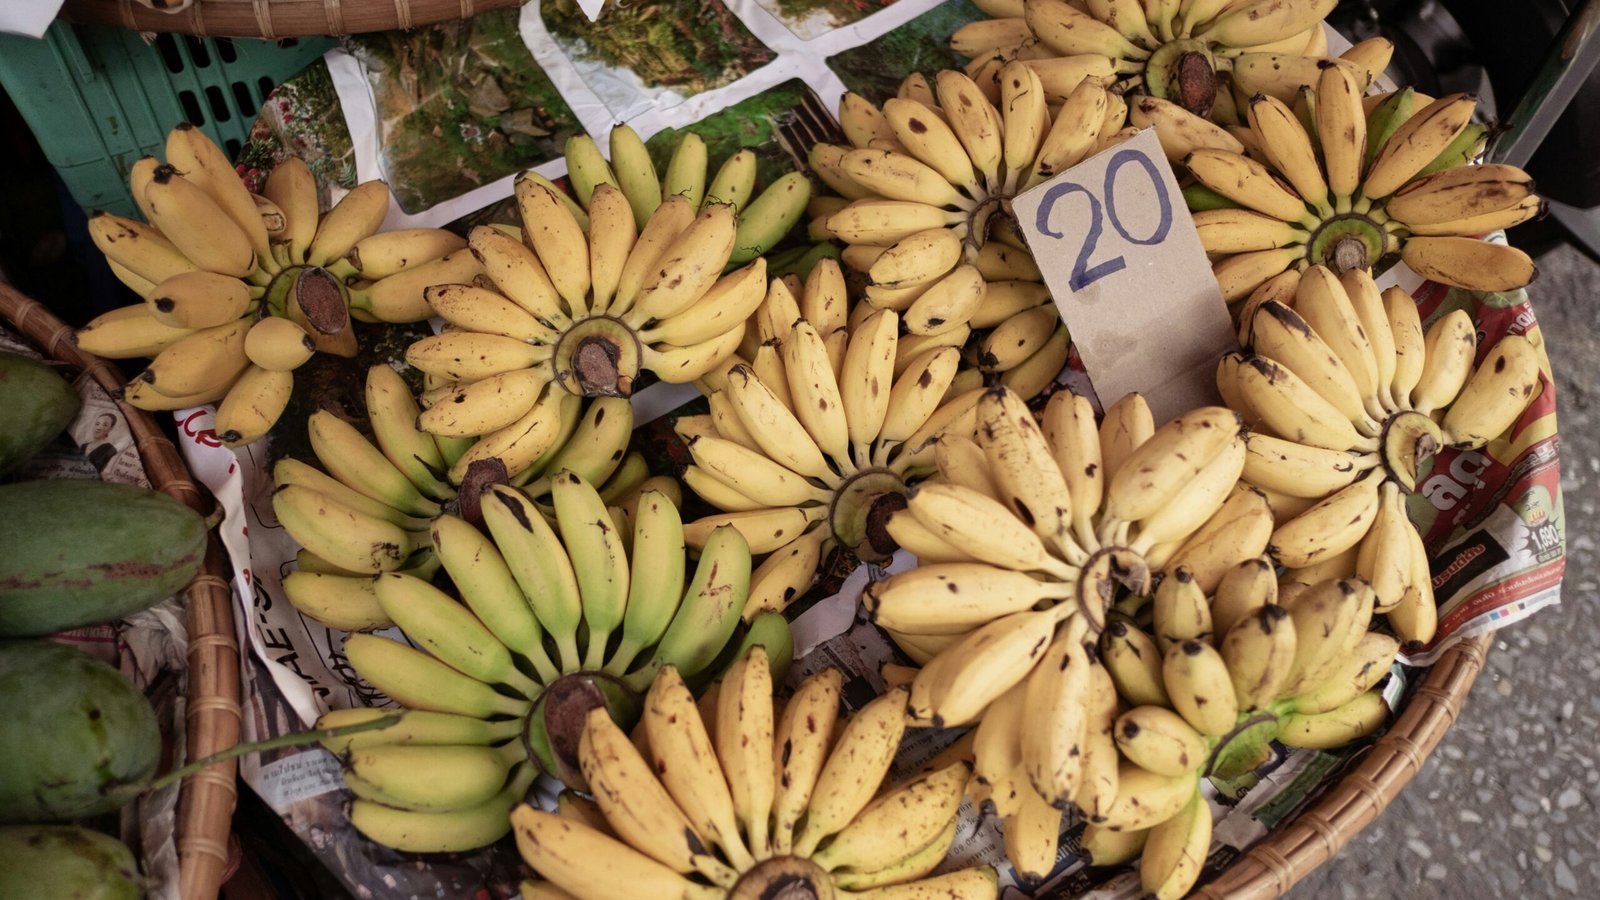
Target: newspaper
1493	517
149	647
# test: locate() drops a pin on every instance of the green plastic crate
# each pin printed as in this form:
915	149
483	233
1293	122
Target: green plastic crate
99	98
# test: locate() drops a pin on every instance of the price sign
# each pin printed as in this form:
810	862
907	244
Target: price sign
1123	260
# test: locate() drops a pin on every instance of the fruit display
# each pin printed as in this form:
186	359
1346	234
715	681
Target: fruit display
1177	62
1330	182
555	618
36	404
749	799
236	290
764	218
74	733
80	552
811	441
925	216
1347	397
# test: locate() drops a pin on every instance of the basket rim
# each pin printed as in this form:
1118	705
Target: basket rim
207	798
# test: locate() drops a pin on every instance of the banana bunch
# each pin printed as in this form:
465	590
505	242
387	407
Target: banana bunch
746	798
234	299
811	438
924	212
554	619
579	314
1348	396
1327	182
1187	62
764	219
1208	687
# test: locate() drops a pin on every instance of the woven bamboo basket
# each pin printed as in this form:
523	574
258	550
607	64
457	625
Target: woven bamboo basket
1292	851
206	798
277	18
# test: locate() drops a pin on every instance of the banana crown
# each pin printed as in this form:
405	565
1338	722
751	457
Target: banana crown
1329	177
815	429
737	795
1348	397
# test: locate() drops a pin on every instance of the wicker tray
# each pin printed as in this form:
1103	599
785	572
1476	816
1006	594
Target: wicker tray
277	18
207	798
1291	852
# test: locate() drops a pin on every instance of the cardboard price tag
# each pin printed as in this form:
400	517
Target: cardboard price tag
1124	263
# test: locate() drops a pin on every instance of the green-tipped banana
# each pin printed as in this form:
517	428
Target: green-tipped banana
770	217
735	181
540	565
416	727
710	610
686	171
450	632
586	168
656	586
393	414
418	681
598	559
636	174
487	585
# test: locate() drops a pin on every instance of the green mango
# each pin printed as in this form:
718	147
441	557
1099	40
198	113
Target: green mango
79	552
73	731
35	405
63	862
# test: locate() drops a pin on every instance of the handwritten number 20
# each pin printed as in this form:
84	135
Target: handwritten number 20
1083	274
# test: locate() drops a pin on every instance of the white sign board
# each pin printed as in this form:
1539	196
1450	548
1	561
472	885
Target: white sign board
1123	260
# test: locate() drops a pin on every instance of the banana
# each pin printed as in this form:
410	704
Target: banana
486	583
587	863
352	459
1243	231
351	540
1126	426
428	777
1240	274
357	215
1248	183
1158	739
1180	611
413	727
635	805
1288	148
1259	651
1191	507
1329	620
137	247
198	300
587	168
711	605
635	173
1175	851
522	443
1053	735
518	274
278	345
743	740
1024	468
402	297
1416	143
1071	32
1336	727
450	632
197	226
1243	590
201	162
558	240
904	869
1495	396
802	739
594	448
199	361
1145	799
1284	336
982	527
1450	347
1032	835
1182	133
342	602
1106	847
677	732
1198	681
291	471
1323	303
1133	660
1367	665
1239	530
1158	468
1416	618
540	565
417	681
453	831
1332	526
393	414
598	559
252	406
1291	408
390	252
656	581
1470	263
986	663
853	771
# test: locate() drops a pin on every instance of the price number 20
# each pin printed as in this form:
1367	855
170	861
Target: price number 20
1083	273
